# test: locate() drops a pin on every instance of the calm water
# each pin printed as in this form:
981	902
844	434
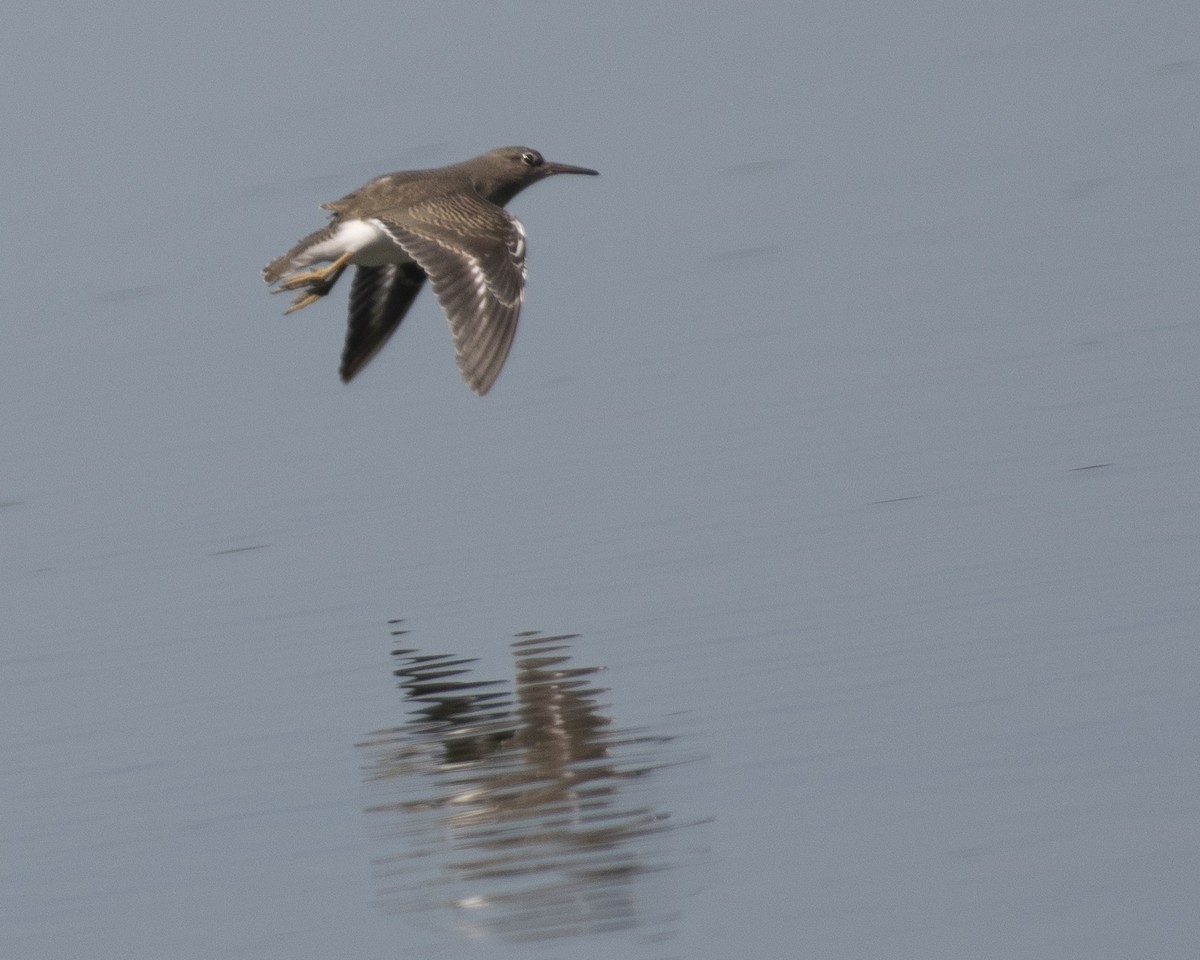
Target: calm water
820	579
520	814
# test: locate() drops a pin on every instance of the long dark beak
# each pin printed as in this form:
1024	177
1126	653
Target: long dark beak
567	168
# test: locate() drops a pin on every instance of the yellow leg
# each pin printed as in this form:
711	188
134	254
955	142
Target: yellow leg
313	285
321	277
304	300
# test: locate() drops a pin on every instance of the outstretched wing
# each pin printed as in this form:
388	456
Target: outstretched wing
474	254
379	299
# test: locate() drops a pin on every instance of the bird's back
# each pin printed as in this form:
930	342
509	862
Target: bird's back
399	189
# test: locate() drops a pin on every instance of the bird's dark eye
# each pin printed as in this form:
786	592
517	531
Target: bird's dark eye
531	158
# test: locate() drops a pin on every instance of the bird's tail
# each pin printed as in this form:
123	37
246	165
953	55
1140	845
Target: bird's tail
296	257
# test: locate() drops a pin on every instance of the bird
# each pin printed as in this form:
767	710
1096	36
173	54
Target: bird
447	224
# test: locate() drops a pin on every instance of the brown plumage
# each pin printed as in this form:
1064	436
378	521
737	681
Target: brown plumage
448	224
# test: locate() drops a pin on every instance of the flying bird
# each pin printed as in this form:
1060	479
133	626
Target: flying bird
448	224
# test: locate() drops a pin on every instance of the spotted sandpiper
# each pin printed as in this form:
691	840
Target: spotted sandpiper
448	224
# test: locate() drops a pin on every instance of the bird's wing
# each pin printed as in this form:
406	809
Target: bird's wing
474	254
379	299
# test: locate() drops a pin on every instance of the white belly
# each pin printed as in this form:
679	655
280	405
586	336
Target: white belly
365	240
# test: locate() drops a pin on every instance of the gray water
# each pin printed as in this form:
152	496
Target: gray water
850	435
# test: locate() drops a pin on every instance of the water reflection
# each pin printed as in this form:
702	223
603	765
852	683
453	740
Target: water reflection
520	812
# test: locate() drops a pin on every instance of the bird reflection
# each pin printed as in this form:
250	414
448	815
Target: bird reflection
518	812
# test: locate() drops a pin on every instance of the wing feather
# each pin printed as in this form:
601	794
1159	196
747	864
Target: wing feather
474	254
379	299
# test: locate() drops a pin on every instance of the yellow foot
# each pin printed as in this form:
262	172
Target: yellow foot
306	299
321	277
312	278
